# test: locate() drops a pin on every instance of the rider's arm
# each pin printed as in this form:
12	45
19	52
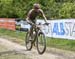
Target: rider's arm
43	15
28	19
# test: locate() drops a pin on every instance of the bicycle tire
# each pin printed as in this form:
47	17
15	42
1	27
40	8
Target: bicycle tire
41	51
27	41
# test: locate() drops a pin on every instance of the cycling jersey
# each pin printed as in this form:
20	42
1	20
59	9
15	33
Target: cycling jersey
33	14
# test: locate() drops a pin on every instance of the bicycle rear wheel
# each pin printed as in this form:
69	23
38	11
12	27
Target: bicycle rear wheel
28	41
41	43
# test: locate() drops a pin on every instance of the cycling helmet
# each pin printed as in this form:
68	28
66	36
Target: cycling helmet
36	6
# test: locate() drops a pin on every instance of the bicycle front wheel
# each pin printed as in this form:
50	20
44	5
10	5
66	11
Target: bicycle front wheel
28	41
41	43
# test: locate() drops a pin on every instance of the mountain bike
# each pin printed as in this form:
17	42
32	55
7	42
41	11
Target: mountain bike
36	38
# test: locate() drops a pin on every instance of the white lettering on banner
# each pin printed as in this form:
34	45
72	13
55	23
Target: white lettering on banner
60	28
70	27
11	21
3	20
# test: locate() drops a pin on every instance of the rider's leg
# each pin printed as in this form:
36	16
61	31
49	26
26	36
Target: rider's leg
31	32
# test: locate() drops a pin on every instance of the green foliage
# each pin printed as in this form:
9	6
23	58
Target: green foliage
65	10
54	9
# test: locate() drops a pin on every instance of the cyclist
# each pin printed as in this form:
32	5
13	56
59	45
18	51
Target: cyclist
33	13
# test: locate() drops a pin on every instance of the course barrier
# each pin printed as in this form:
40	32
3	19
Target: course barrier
7	23
62	28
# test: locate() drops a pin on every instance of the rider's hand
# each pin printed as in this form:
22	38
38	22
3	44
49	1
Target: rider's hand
46	23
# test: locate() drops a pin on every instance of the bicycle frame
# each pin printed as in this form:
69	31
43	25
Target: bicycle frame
35	35
35	29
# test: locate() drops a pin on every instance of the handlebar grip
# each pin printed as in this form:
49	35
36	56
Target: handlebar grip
46	23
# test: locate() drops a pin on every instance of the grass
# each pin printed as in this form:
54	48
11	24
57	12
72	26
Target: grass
61	43
15	36
51	42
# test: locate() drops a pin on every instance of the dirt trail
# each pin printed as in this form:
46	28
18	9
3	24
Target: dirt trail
50	54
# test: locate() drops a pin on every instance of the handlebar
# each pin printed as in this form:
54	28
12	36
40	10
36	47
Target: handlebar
46	23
